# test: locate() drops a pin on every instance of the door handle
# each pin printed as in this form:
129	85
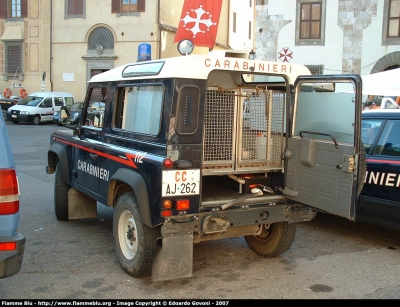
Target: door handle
93	156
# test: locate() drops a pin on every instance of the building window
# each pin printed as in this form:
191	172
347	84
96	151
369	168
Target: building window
310	20
310	25
394	19
234	23
75	8
16	8
391	23
13	58
316	69
101	38
127	6
13	9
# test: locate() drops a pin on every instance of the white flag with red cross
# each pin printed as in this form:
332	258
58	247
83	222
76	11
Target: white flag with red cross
199	22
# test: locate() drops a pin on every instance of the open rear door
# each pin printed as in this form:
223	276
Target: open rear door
324	168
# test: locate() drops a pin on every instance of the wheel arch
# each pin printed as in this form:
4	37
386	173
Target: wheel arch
136	183
57	153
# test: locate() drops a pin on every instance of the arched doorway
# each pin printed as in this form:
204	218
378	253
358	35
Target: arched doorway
387	62
100	51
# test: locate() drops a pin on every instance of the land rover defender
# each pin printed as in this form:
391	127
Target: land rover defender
206	147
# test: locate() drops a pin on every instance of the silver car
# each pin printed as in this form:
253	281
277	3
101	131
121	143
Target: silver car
12	243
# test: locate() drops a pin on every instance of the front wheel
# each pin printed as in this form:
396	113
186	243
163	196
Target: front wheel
61	189
135	243
274	239
36	120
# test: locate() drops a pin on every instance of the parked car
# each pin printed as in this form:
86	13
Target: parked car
76	110
12	243
39	107
379	201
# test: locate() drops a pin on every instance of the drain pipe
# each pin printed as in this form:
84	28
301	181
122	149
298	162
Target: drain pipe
51	46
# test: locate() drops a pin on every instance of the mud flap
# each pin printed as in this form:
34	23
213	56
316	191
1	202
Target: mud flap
175	259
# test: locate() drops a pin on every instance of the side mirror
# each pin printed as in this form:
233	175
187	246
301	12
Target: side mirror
64	115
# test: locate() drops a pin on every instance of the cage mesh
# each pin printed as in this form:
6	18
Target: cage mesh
254	140
219	123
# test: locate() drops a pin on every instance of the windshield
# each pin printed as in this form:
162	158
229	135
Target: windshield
31	101
77	105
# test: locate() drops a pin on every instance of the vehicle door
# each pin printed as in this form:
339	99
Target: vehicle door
58	102
380	197
325	168
47	109
88	154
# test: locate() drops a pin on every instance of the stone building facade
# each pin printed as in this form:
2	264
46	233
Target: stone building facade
352	34
69	41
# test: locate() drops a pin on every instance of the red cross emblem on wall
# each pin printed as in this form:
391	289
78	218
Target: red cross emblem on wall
285	55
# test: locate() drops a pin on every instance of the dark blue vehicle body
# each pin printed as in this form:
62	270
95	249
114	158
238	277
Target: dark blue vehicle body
379	202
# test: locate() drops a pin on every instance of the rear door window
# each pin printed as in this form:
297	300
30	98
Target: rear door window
69	101
369	132
389	141
58	101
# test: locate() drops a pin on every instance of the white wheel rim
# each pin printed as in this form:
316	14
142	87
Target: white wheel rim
127	235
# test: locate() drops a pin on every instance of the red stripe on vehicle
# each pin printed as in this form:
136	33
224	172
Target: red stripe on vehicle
383	161
129	156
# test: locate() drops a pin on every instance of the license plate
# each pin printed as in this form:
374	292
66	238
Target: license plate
14	116
180	183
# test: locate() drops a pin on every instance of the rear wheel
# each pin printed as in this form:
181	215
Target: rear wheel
36	120
274	239
135	243
61	189
15	121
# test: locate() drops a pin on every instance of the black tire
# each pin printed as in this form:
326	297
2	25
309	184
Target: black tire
274	240
135	243
36	120
15	121
61	189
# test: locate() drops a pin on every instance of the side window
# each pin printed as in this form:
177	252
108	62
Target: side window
58	101
127	6
69	101
310	22
188	110
369	132
389	141
141	109
47	103
94	114
326	115
75	8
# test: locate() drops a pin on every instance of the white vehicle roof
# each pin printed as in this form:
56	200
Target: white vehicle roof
200	66
49	94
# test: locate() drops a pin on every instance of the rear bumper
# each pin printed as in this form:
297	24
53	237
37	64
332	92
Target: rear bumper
11	261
